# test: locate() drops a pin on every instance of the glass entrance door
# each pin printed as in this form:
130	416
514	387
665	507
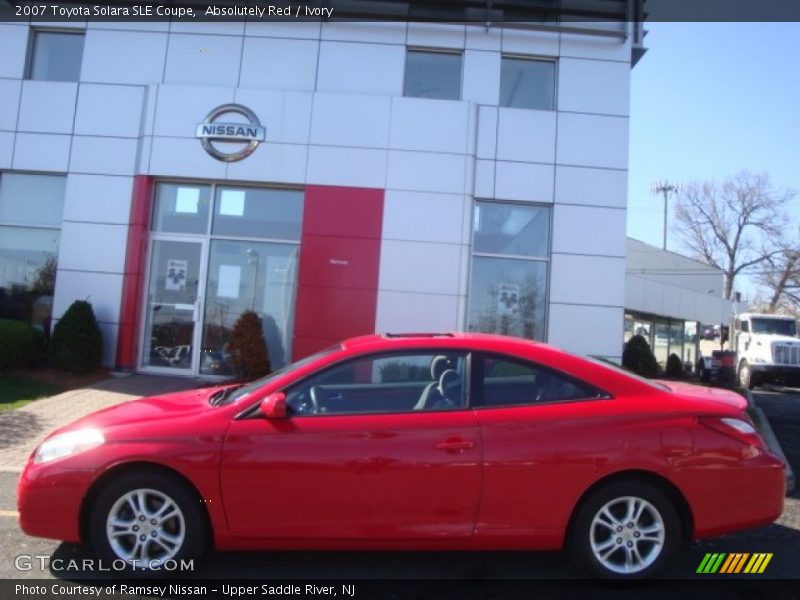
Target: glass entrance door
173	305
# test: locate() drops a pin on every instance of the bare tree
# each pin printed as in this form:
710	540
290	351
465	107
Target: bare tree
733	226
781	277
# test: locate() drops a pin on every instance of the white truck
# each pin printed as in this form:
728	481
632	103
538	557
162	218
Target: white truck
767	349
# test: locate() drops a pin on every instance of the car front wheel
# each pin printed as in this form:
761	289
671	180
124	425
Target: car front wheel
625	530
147	522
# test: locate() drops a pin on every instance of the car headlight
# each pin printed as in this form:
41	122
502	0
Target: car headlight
67	444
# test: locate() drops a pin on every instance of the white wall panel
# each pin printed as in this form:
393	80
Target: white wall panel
203	59
587	280
357	167
9	101
481	77
278	163
480	37
103	155
596	47
426	172
41	152
286	115
608	81
634	292
430	125
14	50
98	199
526	135
436	35
103	290
181	107
6	149
156	26
599	187
47	106
592	141
421	216
183	158
400	312
589	230
284	29
381	32
123	56
533	43
523	181
586	330
487	132
484	178
361	68
351	120
104	252
420	267
109	110
283	64
235	28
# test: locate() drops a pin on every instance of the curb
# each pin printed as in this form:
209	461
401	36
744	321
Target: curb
772	441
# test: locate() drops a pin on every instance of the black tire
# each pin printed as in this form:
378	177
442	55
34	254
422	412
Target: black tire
583	532
746	376
189	520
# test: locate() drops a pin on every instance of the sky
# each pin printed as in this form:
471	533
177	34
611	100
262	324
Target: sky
709	100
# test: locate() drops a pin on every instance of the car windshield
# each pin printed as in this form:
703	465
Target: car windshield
230	395
603	362
775	326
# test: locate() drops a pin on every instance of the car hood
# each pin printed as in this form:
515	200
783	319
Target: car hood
151	409
699	393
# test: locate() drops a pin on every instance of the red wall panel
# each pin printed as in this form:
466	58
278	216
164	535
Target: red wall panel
339	262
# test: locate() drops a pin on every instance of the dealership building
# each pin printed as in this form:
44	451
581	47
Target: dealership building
336	177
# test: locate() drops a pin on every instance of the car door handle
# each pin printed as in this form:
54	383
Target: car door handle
457	445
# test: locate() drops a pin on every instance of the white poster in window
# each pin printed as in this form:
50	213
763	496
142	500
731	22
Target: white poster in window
231	203
508	300
176	275
230	276
187	200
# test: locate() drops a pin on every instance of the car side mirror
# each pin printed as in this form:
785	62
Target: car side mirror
274	406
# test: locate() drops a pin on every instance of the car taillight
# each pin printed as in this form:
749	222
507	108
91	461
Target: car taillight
739	429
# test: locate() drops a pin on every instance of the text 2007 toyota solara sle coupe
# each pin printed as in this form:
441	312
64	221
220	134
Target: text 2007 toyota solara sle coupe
445	441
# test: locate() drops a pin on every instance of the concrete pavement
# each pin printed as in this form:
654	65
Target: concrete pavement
22	429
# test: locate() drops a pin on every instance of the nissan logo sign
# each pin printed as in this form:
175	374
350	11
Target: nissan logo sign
211	130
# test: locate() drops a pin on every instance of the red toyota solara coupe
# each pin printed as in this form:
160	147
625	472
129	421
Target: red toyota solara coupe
434	442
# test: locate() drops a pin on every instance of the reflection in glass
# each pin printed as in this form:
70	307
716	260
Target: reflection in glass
433	75
181	208
507	296
172	297
676	338
511	229
258	213
690	342
248	276
32	199
528	83
56	56
661	342
28	260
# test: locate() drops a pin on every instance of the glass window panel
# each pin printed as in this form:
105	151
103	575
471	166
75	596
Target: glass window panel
433	75
28	259
242	276
512	229
661	342
32	199
258	213
56	56
181	208
507	296
676	338
528	83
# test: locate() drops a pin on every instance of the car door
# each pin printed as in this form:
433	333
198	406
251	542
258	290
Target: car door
544	436
374	448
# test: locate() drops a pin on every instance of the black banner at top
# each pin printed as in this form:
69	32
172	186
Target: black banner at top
542	13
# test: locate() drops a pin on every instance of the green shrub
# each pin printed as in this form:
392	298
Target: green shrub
77	343
674	366
247	347
18	344
638	357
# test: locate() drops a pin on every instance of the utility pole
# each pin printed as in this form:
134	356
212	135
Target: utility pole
666	188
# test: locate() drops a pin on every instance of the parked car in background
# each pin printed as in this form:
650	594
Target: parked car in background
424	441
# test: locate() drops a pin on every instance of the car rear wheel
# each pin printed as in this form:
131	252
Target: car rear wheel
148	522
625	530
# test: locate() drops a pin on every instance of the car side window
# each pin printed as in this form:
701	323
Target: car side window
384	383
508	382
